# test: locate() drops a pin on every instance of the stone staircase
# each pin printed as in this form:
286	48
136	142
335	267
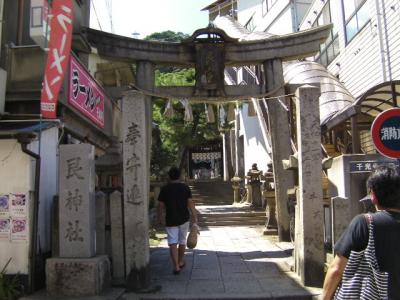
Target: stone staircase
212	192
331	150
214	203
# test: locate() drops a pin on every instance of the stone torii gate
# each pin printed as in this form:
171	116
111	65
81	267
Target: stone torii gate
210	50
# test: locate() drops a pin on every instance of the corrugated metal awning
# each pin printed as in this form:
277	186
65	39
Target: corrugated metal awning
380	98
334	98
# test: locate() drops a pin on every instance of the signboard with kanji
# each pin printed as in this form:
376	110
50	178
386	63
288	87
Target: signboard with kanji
370	165
385	133
85	94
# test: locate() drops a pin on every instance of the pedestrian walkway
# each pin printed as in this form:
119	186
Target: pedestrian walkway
228	263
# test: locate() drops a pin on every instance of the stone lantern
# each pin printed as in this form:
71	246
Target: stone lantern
236	180
269	196
254	186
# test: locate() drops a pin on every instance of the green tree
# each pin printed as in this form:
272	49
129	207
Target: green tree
172	136
167	36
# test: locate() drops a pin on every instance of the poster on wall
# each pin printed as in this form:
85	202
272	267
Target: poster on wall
4	229
4	205
19	230
18	205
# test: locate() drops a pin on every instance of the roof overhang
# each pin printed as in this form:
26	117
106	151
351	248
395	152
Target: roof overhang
12	129
380	98
287	47
374	101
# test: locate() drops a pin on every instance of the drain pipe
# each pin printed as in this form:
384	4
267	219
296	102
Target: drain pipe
25	139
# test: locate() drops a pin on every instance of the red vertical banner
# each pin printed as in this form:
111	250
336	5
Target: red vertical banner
58	56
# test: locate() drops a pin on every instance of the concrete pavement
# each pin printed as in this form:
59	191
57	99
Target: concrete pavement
228	263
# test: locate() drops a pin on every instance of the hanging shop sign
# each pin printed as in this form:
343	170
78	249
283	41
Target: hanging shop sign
85	94
385	133
58	55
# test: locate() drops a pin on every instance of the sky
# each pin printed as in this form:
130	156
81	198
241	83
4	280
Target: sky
144	17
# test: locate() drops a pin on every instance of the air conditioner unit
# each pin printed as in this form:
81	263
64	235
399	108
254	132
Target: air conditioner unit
3	80
38	27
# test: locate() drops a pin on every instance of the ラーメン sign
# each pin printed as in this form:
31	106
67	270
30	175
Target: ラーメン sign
385	133
85	94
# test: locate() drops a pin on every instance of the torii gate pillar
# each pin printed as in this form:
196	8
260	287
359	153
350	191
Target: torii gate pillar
280	142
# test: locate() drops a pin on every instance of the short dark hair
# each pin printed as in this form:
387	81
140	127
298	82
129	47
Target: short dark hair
385	183
174	173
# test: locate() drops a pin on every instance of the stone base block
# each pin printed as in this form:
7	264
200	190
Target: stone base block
77	276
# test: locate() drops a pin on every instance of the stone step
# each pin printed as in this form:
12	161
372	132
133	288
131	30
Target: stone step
232	216
243	215
202	201
231	223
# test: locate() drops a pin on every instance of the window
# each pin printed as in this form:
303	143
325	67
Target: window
250	26
356	15
37	16
330	48
266	5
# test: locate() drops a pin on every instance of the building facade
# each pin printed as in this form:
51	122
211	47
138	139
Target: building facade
29	143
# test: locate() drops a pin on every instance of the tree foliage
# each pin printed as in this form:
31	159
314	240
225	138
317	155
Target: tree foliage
167	36
172	136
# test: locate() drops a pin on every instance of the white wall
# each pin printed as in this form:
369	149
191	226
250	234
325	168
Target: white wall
392	47
278	20
359	64
283	24
255	150
15	177
247	9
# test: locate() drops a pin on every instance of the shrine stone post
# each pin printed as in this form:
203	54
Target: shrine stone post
88	275
136	162
136	134
310	222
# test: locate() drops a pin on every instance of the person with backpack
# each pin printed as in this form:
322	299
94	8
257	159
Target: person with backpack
367	260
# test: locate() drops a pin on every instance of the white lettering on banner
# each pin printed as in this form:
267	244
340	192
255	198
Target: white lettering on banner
84	93
48	106
57	60
63	18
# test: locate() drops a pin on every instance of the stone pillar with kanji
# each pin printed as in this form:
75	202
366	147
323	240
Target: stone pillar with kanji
136	138
88	274
310	254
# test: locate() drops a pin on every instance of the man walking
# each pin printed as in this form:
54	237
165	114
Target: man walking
175	200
